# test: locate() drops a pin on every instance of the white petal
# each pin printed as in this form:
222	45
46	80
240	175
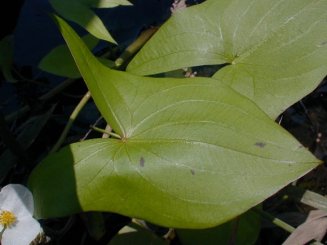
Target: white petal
23	233
17	199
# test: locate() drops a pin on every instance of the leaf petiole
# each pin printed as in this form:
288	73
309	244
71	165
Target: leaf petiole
103	131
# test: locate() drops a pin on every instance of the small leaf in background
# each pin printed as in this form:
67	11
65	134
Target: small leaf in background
275	51
242	230
6	58
314	228
80	11
135	235
36	34
190	153
60	61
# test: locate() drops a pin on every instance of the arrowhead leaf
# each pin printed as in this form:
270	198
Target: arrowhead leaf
193	153
275	51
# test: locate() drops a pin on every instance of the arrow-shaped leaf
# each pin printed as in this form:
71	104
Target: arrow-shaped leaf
193	153
275	51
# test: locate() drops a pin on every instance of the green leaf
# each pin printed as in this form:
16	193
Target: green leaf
59	61
242	230
193	153
136	235
80	11
275	51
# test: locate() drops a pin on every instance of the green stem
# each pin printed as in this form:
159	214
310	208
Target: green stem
71	120
135	46
280	223
275	220
307	197
100	130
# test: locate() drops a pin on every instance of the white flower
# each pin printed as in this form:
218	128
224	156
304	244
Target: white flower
17	225
178	5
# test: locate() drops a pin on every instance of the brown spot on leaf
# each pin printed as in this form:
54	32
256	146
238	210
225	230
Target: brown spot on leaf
192	172
142	161
260	144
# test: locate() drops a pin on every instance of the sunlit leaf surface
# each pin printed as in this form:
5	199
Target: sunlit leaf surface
60	61
275	51
192	153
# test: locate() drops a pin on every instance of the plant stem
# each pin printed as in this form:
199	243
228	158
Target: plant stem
308	197
275	220
100	130
280	223
107	129
135	46
71	120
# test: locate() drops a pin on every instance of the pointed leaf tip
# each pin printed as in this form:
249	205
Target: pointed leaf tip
195	152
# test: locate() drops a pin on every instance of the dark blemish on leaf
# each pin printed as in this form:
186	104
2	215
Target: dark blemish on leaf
322	44
260	144
192	172
142	162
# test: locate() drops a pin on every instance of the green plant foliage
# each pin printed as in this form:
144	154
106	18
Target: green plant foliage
192	153
242	230
80	11
59	61
275	51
